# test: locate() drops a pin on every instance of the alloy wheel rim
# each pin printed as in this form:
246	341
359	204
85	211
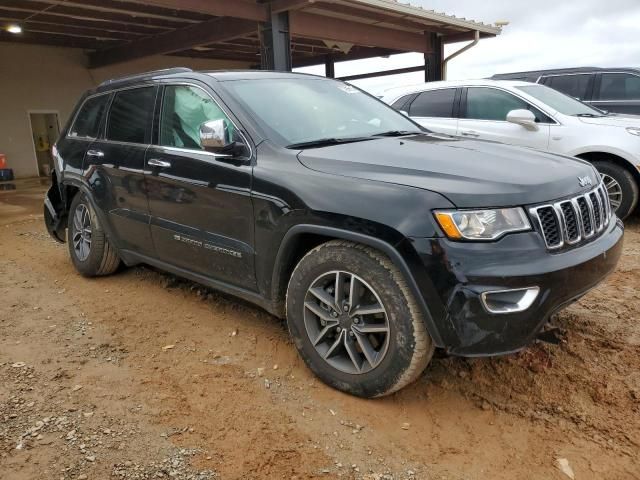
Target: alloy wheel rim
82	232
614	190
346	322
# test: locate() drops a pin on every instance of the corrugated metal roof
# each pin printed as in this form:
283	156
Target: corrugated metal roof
413	11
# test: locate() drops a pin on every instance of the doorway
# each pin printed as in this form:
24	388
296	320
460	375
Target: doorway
45	130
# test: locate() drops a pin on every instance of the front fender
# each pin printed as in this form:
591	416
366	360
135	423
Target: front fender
402	255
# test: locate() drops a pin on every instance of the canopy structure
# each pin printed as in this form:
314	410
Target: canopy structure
275	34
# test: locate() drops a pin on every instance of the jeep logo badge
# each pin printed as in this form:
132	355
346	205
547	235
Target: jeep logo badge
584	181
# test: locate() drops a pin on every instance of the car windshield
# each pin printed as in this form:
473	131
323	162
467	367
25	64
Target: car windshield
560	102
314	111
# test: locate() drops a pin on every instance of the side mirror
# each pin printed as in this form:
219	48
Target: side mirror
215	136
523	117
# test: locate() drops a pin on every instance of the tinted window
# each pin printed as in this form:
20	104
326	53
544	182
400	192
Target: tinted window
573	85
88	119
436	103
130	115
619	86
399	104
184	109
493	104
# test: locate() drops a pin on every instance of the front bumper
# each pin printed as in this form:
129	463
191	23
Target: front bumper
462	272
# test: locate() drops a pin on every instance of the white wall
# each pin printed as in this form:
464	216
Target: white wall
51	78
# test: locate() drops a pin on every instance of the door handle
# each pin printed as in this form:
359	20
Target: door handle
469	133
95	153
154	162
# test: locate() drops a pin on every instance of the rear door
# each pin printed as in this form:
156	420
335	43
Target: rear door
484	112
435	110
618	92
83	131
114	166
200	204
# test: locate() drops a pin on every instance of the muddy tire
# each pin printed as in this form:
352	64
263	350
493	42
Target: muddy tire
354	320
89	247
621	187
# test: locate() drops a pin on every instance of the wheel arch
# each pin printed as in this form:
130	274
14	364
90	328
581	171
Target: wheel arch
596	155
300	239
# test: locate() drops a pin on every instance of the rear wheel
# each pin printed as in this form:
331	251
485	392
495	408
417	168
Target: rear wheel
89	248
354	320
621	187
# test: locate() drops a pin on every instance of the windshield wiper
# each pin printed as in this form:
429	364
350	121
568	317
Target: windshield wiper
326	142
396	133
588	115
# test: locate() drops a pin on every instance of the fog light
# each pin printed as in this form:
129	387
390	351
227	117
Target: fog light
509	301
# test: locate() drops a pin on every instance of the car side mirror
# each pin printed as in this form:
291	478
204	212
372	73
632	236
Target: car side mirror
215	136
523	117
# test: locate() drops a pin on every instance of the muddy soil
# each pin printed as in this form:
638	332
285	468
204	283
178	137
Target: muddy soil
141	375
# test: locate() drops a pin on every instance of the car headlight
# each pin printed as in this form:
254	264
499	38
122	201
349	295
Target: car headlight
634	131
487	224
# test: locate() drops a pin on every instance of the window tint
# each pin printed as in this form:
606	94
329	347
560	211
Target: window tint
130	115
619	86
399	104
573	85
493	104
184	109
435	103
88	119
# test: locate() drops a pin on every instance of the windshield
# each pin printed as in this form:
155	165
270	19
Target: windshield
307	110
560	102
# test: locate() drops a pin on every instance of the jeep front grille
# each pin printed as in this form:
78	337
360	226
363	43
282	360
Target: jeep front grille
573	220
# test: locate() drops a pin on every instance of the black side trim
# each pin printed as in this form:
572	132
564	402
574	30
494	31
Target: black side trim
131	257
376	243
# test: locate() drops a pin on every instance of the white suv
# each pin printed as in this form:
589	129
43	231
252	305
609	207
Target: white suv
530	115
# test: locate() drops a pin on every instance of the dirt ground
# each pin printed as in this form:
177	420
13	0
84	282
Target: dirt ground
141	375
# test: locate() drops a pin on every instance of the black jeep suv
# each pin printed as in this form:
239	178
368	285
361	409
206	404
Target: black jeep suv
376	239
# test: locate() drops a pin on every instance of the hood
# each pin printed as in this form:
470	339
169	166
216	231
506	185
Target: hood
470	173
613	120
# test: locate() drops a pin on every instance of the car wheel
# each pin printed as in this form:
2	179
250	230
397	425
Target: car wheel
621	187
354	320
90	250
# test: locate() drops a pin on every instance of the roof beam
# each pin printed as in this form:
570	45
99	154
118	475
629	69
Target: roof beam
212	31
325	28
245	9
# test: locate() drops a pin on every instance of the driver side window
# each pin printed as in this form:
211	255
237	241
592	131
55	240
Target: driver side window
184	110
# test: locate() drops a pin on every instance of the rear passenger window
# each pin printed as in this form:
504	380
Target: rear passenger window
400	103
435	103
130	115
619	86
572	85
88	119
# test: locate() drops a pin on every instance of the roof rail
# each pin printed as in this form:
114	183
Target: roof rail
141	76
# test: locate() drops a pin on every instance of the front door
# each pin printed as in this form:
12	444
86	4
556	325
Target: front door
200	204
484	116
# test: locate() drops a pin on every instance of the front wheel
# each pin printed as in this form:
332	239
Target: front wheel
621	187
89	247
354	320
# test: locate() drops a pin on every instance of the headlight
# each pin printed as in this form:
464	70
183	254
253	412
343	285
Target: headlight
482	224
634	131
